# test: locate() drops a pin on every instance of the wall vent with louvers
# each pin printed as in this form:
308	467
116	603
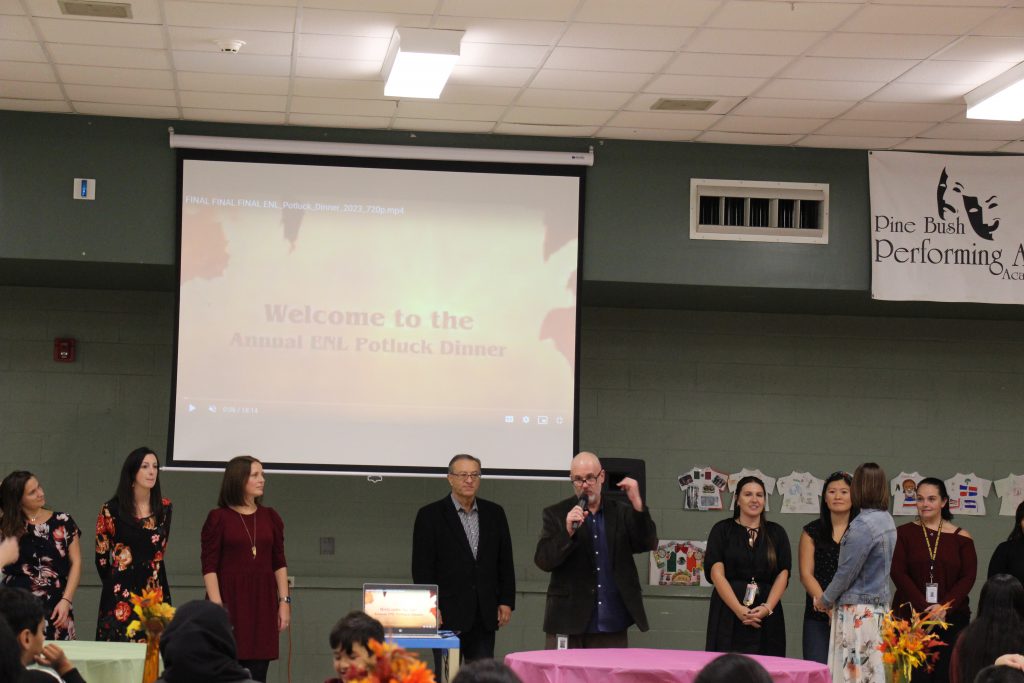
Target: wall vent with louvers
760	211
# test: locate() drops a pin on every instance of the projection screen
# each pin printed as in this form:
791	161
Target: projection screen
365	315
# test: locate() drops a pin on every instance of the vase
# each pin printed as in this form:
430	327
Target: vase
151	670
894	674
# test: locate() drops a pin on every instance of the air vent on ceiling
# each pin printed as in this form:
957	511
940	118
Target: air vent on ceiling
88	8
671	104
761	211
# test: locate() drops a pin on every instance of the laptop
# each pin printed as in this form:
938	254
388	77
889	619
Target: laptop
404	609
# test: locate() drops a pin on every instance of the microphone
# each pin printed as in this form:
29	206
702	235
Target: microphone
582	503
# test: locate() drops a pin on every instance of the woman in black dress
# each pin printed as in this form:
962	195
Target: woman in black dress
748	561
131	538
1008	557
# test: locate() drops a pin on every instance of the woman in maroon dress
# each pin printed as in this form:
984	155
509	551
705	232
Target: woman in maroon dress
244	567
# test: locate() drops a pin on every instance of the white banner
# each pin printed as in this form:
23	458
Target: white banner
947	228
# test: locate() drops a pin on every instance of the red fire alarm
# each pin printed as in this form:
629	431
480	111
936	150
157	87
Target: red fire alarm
64	350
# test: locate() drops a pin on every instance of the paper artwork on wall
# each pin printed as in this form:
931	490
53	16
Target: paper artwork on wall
800	493
967	494
702	488
734	479
678	563
1011	490
904	493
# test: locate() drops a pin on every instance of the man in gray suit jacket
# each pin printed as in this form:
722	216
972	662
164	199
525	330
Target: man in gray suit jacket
587	543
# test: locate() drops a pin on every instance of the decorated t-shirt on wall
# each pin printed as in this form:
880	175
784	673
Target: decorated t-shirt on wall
904	493
1011	490
678	563
800	492
967	493
702	488
734	479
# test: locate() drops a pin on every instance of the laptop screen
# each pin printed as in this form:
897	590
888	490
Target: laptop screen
405	609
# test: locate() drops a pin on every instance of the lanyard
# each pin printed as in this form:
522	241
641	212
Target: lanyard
932	551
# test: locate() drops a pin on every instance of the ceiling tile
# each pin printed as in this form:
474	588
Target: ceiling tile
27	71
765	124
572	99
845	69
650	12
560	117
195	39
853	128
931	93
663	120
930	145
231	116
143	12
847	142
443	126
880	46
394	6
985	49
21	51
589	80
716	40
543	10
84	32
236	83
28	90
724	137
11	7
706	64
106	75
344	69
335	107
977	131
224	16
970	74
669	135
488	75
356	48
423	109
902	111
504	30
114	95
241	101
782	88
491	54
96	55
330	87
782	16
1008	23
914	20
592	59
16	28
762	106
50	106
340	121
667	38
1015	147
132	110
333	22
478	94
215	62
703	86
548	131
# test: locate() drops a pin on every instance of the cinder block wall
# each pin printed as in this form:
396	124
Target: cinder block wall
676	388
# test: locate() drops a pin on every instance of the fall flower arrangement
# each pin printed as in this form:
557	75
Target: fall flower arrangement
153	614
391	664
911	643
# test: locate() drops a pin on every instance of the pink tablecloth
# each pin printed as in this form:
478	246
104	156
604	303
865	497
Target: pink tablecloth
637	665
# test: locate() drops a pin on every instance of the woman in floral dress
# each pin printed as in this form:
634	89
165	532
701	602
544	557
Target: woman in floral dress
49	563
131	538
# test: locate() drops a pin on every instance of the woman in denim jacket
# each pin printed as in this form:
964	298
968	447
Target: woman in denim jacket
858	595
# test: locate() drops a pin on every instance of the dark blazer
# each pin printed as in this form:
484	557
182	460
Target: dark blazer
570	559
466	586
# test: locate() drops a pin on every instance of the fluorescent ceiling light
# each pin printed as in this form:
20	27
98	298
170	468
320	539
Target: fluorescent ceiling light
1001	99
420	61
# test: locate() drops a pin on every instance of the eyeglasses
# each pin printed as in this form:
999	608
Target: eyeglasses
471	476
589	479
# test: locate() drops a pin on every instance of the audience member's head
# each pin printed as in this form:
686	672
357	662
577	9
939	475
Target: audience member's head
350	641
10	653
199	646
485	671
731	668
25	616
998	628
999	674
870	489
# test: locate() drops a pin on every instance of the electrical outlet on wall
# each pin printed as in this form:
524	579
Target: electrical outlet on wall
291	582
327	545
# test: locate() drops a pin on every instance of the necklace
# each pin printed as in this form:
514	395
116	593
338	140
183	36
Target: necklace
32	519
252	536
752	532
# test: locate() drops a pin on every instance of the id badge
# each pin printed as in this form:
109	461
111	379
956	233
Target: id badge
750	595
561	642
931	593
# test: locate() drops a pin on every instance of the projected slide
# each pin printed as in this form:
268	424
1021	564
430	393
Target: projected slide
375	319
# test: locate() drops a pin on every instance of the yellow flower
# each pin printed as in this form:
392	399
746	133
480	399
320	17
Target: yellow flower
133	628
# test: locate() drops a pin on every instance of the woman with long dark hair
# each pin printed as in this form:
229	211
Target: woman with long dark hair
49	563
819	559
244	566
1008	557
131	539
998	629
934	563
748	561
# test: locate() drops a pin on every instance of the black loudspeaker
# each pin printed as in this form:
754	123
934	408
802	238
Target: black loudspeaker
617	469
